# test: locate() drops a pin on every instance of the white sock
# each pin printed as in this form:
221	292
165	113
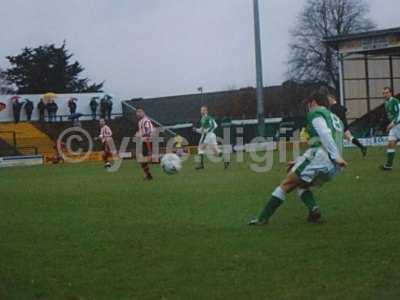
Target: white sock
300	192
279	193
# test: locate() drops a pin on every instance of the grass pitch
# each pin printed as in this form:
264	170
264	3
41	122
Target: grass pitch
79	232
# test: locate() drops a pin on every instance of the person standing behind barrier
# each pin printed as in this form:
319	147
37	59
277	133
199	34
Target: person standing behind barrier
41	106
52	108
48	110
16	108
93	107
72	105
109	105
103	107
28	109
55	109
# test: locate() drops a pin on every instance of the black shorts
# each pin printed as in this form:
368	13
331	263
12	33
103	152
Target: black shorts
147	149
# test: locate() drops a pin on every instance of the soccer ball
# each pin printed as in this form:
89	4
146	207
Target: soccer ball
171	163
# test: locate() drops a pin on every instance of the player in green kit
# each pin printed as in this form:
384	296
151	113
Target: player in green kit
392	107
208	139
319	164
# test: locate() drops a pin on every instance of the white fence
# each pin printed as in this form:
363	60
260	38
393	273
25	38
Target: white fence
370	142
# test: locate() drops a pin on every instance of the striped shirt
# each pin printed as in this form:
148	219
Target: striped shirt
146	128
105	133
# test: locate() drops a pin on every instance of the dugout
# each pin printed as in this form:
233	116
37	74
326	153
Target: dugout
368	62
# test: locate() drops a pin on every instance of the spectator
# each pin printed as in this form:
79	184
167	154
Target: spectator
72	105
49	113
41	106
103	107
109	106
93	107
28	109
16	108
55	109
52	109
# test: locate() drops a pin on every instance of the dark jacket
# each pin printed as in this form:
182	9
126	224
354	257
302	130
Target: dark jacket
72	106
28	108
41	107
93	105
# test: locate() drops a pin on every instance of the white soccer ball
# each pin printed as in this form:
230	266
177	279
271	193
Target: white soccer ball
171	163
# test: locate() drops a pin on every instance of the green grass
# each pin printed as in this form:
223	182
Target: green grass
78	232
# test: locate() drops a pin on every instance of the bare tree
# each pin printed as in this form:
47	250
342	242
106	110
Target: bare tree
312	61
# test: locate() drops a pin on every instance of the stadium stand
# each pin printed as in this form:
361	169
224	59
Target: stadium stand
40	138
27	139
7	149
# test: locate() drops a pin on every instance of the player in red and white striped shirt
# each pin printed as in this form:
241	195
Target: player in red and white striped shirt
106	139
145	132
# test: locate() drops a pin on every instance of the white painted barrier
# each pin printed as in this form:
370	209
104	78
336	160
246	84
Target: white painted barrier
20	161
370	142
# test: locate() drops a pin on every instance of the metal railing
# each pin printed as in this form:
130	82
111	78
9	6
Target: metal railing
62	118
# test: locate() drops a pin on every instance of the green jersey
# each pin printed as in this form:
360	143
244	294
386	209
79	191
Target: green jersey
333	138
207	124
392	107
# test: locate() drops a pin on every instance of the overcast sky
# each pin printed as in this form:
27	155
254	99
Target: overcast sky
145	48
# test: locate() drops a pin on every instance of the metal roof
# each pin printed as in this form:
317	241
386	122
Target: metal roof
335	40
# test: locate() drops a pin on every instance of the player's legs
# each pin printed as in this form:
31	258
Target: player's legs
217	152
106	155
211	141
394	137
307	197
201	151
391	153
313	168
146	169
278	196
215	149
348	135
146	159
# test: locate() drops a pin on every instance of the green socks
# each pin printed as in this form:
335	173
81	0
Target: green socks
202	160
390	157
277	198
308	199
